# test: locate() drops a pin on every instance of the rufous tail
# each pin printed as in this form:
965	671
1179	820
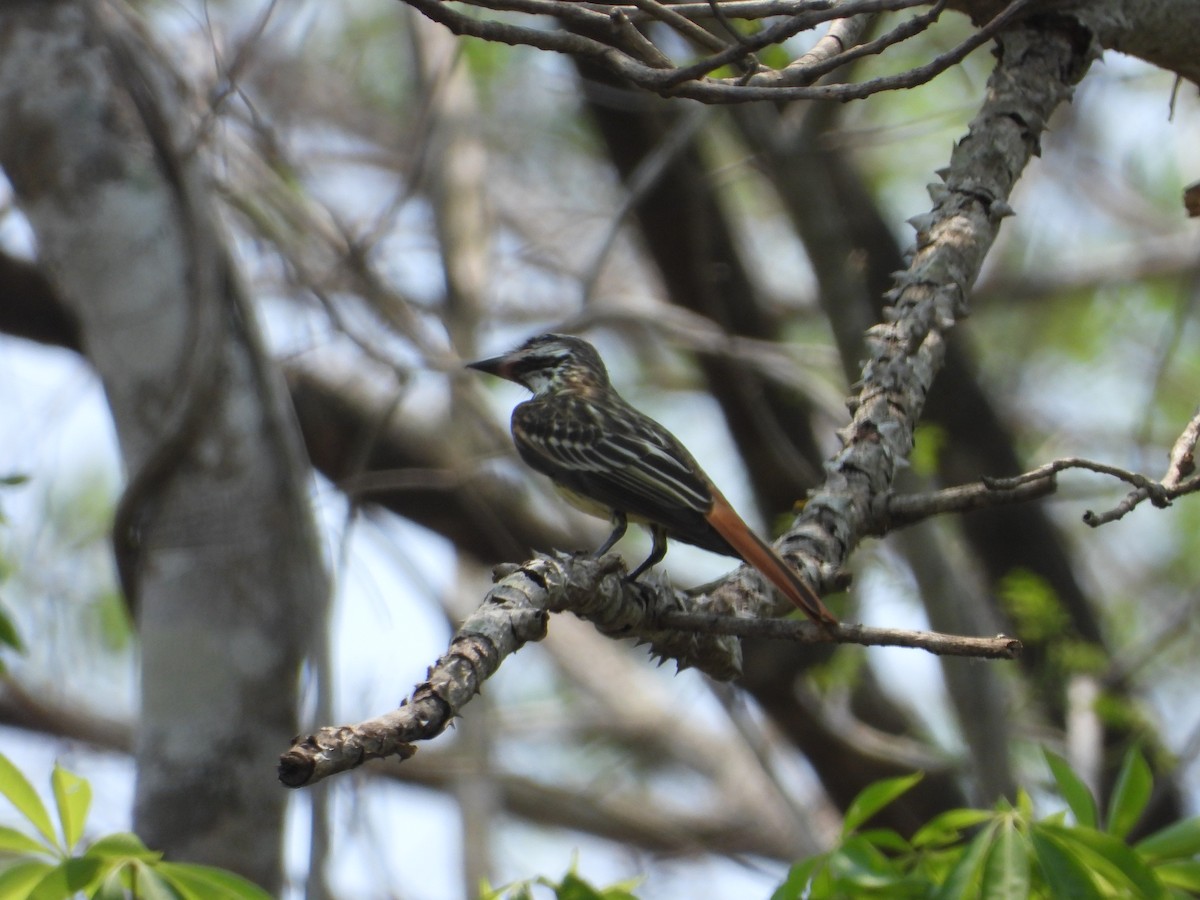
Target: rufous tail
751	548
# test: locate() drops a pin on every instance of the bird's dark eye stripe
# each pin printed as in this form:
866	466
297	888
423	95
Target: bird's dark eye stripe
538	361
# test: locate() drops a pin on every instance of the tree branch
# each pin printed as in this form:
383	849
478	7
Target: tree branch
1180	478
805	632
608	44
1034	74
515	612
901	510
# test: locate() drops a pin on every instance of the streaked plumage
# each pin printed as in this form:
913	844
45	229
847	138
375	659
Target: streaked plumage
612	461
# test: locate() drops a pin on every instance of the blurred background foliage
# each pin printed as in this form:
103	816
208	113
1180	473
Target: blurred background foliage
401	201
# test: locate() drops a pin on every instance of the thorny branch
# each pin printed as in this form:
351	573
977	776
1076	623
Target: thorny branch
1035	73
516	612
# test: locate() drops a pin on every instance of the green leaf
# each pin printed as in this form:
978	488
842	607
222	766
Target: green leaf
1184	875
859	864
961	882
19	843
17	880
1024	804
1065	874
573	887
886	839
204	881
67	878
859	869
8	632
929	444
875	797
947	828
122	845
799	879
116	885
148	884
1034	606
73	795
1177	841
1130	794
1073	790
1006	873
1108	857
21	794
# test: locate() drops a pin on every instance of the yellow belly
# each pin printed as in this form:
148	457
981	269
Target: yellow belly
592	507
584	504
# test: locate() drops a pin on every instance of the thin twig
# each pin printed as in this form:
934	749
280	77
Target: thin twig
815	63
1181	477
902	510
804	632
682	24
690	81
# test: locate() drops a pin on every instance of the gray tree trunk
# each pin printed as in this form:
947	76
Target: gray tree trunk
215	536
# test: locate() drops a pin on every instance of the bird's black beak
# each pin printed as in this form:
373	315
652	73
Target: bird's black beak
497	365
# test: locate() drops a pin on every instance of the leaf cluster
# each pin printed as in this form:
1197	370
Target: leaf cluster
572	887
1007	852
52	861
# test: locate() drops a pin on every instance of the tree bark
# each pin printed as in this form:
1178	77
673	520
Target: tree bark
218	542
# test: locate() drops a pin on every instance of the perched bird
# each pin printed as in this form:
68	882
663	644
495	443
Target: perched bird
612	461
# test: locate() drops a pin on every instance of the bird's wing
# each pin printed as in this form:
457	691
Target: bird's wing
615	455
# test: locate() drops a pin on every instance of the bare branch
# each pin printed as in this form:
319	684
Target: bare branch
844	34
901	510
1035	72
603	35
805	632
515	612
1183	455
1180	478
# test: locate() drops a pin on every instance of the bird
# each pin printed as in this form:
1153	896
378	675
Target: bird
610	460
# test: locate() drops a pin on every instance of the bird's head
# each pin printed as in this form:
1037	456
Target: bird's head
548	363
